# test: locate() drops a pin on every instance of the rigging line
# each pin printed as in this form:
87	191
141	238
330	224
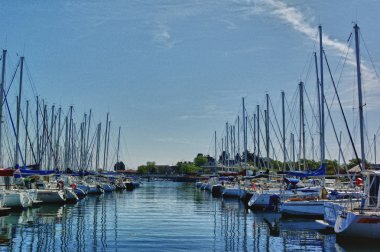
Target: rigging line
341	72
123	137
27	135
378	130
209	145
308	60
11	82
309	69
278	139
276	135
274	154
14	130
92	147
341	108
369	55
336	137
8	148
292	115
314	116
275	117
251	129
261	133
369	149
49	140
30	79
348	45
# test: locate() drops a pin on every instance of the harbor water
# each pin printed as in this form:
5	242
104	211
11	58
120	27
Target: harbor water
160	216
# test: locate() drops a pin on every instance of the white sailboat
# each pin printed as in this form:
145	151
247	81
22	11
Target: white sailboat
363	222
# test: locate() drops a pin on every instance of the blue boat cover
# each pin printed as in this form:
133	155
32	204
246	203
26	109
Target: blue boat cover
25	173
321	171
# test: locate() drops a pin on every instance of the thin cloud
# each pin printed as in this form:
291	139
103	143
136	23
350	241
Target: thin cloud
162	36
297	20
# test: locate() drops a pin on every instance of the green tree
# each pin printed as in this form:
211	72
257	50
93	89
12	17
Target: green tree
119	166
200	160
188	168
151	167
142	169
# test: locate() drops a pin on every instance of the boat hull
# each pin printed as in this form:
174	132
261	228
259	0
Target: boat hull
236	193
71	196
51	196
15	199
359	225
314	208
270	200
217	191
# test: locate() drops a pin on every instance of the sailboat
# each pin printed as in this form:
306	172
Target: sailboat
363	222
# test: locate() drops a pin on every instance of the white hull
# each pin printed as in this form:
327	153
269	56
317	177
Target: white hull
263	199
233	193
51	196
14	199
333	208
355	224
303	208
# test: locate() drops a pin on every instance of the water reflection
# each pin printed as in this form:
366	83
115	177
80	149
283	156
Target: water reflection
159	216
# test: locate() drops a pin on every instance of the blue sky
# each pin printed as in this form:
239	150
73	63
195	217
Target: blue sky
172	72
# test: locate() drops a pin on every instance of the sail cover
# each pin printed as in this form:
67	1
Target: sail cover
321	171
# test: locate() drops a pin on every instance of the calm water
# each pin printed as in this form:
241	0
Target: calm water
159	216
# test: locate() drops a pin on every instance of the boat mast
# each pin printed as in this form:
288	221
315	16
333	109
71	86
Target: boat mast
44	133
215	147
361	117
26	130
267	129
283	130
70	146
2	85
223	152
293	150
246	139
118	146
302	126
38	131
233	143
98	146
18	112
374	147
244	134
238	135
340	146
50	143
254	141
258	136
322	118
66	142
320	101
105	144
87	152
58	138
82	129
227	145
108	141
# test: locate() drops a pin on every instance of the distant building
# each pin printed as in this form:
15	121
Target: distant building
210	161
